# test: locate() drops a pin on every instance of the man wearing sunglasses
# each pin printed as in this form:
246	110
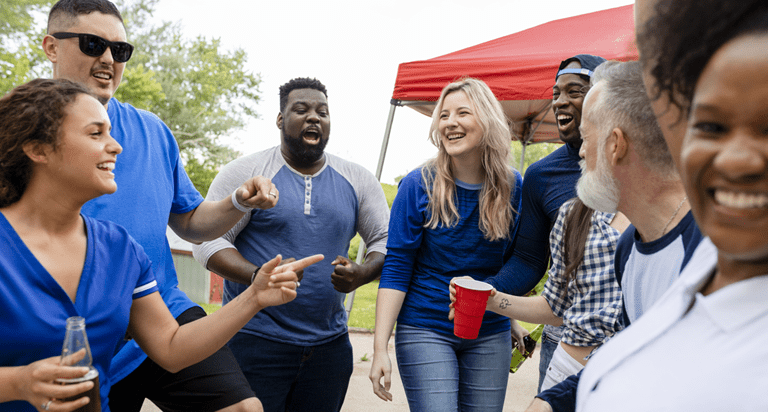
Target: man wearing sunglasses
86	43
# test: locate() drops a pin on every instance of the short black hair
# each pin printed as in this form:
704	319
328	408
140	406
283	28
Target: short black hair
682	36
71	9
299	83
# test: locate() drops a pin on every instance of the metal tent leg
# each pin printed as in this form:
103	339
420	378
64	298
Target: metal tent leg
350	300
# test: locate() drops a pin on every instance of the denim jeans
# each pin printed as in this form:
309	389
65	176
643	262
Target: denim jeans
295	378
445	373
548	346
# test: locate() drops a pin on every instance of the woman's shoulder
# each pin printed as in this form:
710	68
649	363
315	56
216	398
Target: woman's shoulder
414	179
109	234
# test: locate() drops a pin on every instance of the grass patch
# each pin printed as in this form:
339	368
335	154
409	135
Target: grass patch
363	313
210	307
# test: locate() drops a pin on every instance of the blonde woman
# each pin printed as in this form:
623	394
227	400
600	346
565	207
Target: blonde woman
455	216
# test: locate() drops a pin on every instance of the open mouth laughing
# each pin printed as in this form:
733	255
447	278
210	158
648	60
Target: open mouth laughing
564	120
106	166
103	75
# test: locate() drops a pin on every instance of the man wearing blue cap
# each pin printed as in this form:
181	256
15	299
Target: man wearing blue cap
548	184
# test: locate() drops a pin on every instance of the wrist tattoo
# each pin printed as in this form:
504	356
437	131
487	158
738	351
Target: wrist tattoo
504	303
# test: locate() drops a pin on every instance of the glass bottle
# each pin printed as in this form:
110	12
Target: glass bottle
530	344
75	342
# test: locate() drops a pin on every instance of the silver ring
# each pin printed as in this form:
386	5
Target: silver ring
273	194
298	284
47	405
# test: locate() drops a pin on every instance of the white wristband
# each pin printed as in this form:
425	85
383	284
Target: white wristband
237	205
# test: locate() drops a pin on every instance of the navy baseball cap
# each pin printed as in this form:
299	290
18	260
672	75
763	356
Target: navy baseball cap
588	65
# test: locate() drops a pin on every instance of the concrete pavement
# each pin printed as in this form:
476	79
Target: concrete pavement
360	398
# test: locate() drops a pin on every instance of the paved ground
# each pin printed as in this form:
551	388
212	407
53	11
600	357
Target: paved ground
360	398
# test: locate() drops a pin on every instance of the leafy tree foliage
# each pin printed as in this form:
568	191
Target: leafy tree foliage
201	91
21	33
533	153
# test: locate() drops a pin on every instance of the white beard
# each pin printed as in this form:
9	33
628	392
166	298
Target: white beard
598	189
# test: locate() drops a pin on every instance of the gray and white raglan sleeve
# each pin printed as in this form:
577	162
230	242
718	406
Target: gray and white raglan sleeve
373	212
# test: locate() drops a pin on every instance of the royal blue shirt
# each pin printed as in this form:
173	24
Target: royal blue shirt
34	314
422	261
151	184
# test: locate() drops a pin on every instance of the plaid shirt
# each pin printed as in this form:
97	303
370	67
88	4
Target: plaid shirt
590	306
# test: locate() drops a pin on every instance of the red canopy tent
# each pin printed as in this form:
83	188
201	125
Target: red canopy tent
520	69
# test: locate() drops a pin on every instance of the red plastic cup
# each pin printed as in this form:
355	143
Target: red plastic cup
469	308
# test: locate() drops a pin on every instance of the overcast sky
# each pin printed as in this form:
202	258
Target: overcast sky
354	48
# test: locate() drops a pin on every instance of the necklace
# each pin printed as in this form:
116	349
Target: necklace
664	230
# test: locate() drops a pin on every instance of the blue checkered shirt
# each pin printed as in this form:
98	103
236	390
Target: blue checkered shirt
590	306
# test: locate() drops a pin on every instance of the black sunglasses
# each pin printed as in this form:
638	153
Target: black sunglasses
95	46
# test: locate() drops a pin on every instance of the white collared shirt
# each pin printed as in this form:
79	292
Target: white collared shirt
689	352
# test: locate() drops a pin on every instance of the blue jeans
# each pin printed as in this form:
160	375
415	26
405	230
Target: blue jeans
295	378
445	373
548	346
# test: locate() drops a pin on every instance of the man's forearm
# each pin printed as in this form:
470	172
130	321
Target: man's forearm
231	265
210	220
373	264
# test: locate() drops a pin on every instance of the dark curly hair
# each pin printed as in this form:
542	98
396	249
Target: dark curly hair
30	113
682	35
299	83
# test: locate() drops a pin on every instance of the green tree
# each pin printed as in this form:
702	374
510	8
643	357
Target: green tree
533	153
201	91
21	33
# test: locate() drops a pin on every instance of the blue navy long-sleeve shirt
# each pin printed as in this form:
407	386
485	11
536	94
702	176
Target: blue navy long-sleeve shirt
547	184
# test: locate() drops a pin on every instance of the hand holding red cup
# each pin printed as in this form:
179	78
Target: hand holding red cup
469	307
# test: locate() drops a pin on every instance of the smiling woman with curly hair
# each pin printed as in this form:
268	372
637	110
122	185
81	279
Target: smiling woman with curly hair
709	59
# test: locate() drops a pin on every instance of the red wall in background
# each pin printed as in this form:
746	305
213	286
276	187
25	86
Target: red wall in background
217	285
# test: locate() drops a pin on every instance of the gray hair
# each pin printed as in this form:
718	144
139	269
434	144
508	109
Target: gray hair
623	103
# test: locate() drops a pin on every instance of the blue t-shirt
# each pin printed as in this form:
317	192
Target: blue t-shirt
548	184
151	184
35	310
422	261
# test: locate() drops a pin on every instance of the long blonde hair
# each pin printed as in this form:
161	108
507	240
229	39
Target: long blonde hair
495	209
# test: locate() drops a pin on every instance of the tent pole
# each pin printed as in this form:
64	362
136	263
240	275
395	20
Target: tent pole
361	248
385	142
522	157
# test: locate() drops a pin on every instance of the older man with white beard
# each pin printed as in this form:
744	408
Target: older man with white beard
626	167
